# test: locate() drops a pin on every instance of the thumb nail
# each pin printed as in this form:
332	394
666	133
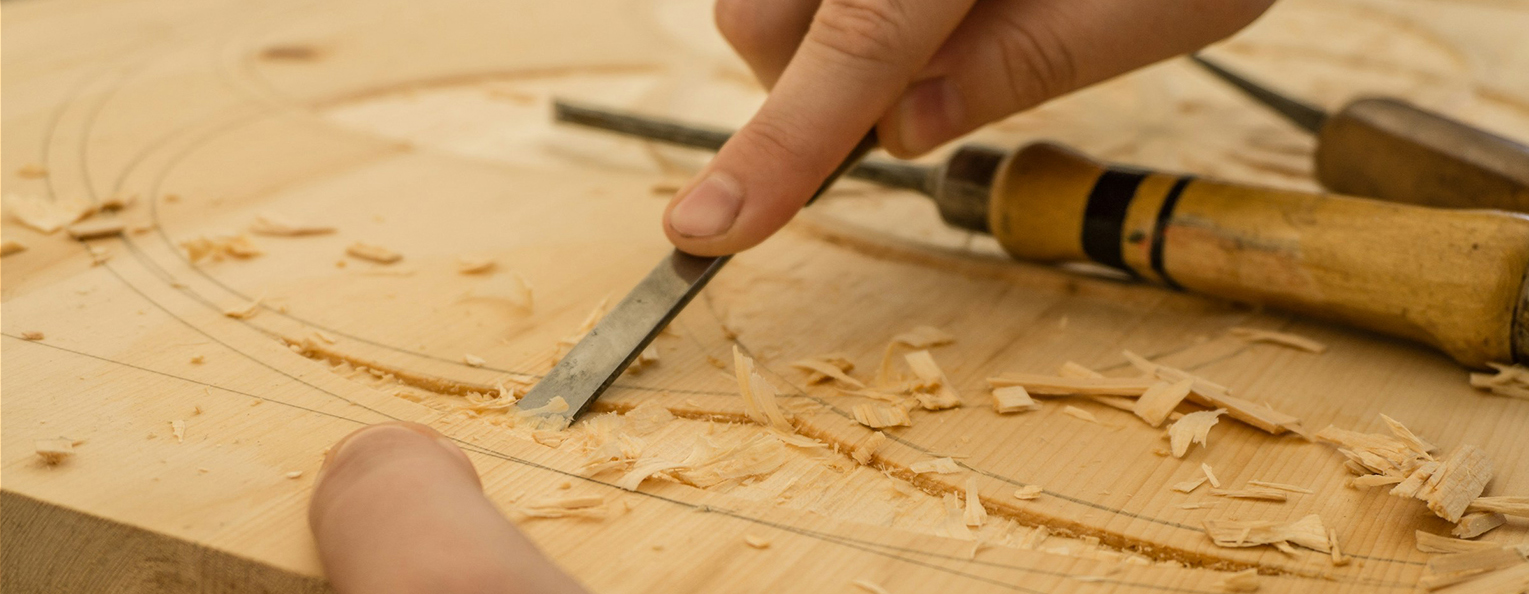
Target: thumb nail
927	115
709	208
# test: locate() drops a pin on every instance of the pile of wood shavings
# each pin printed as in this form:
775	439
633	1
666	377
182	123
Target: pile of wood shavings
1510	380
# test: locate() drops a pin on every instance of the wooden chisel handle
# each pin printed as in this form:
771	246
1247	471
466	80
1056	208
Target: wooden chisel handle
1451	278
1393	150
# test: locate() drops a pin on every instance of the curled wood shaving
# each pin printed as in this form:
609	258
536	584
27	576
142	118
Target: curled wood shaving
1045	385
1476	524
758	395
822	369
1253	493
219	248
275	225
934	390
1433	543
1446	570
1294	341
1242	581
1210	475
1011	399
878	416
1512	505
1074	411
1028	492
867	449
54	451
8	247
642	471
1159	400
937	466
1191	429
1306	532
1509	380
974	515
373	253
95	229
1190	485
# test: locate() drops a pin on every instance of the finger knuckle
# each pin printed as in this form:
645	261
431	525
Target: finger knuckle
1037	63
863	30
775	140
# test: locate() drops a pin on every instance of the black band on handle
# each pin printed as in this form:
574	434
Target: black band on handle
1105	216
1164	216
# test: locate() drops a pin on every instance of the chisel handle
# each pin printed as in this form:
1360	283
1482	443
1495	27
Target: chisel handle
1454	279
1391	149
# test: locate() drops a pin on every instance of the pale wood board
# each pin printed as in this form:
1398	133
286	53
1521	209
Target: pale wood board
424	128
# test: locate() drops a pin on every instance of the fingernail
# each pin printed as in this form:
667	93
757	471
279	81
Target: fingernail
928	114
709	208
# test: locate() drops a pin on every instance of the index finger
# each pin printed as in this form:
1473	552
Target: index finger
855	61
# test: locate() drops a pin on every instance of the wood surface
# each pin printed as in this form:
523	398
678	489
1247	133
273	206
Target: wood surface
424	128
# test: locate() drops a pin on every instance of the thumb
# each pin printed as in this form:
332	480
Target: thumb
856	59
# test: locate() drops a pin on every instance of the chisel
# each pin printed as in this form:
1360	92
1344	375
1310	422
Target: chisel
1454	279
1391	149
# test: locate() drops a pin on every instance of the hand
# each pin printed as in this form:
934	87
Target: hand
922	71
398	509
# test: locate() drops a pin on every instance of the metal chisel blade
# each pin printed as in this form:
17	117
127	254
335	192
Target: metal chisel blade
603	354
1298	112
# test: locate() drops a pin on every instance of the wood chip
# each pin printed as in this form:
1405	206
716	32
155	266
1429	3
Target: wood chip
1512	506
1158	401
245	311
1338	558
1280	486
1294	341
31	335
822	369
513	288
1071	369
934	390
294	474
758	542
759	396
1446	570
1074	411
937	466
1459	480
1028	492
864	452
1242	581
220	248
1476	524
8	247
1210	475
1190	485
373	253
1253	493
473	360
1433	543
1012	399
278	226
1191	429
475	265
32	171
878	416
870	586
924	337
1046	385
54	451
1306	532
178	429
974	515
95	229
1509	380
44	215
1513	580
1212	394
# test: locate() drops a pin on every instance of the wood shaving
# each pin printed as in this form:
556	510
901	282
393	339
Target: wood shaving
275	225
921	337
1285	339
475	265
1513	580
758	395
1472	525
178	429
1509	380
1071	369
1253	493
373	253
95	229
974	515
32	335
1306	532
1210	475
1160	400
32	171
1339	559
864	452
878	416
953	525
584	507
219	248
198	359
1190	485
1074	411
758	542
1046	385
1193	428
830	367
1433	543
1446	570
473	360
1242	581
937	466
513	288
1012	399
54	451
934	390
9	247
294	474
245	311
1028	492
870	586
1212	394
644	470
43	215
1512	506
1280	486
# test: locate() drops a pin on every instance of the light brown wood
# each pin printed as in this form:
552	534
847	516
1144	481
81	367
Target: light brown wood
424	128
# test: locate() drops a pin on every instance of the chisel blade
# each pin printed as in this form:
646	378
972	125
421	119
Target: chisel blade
1298	112
602	355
